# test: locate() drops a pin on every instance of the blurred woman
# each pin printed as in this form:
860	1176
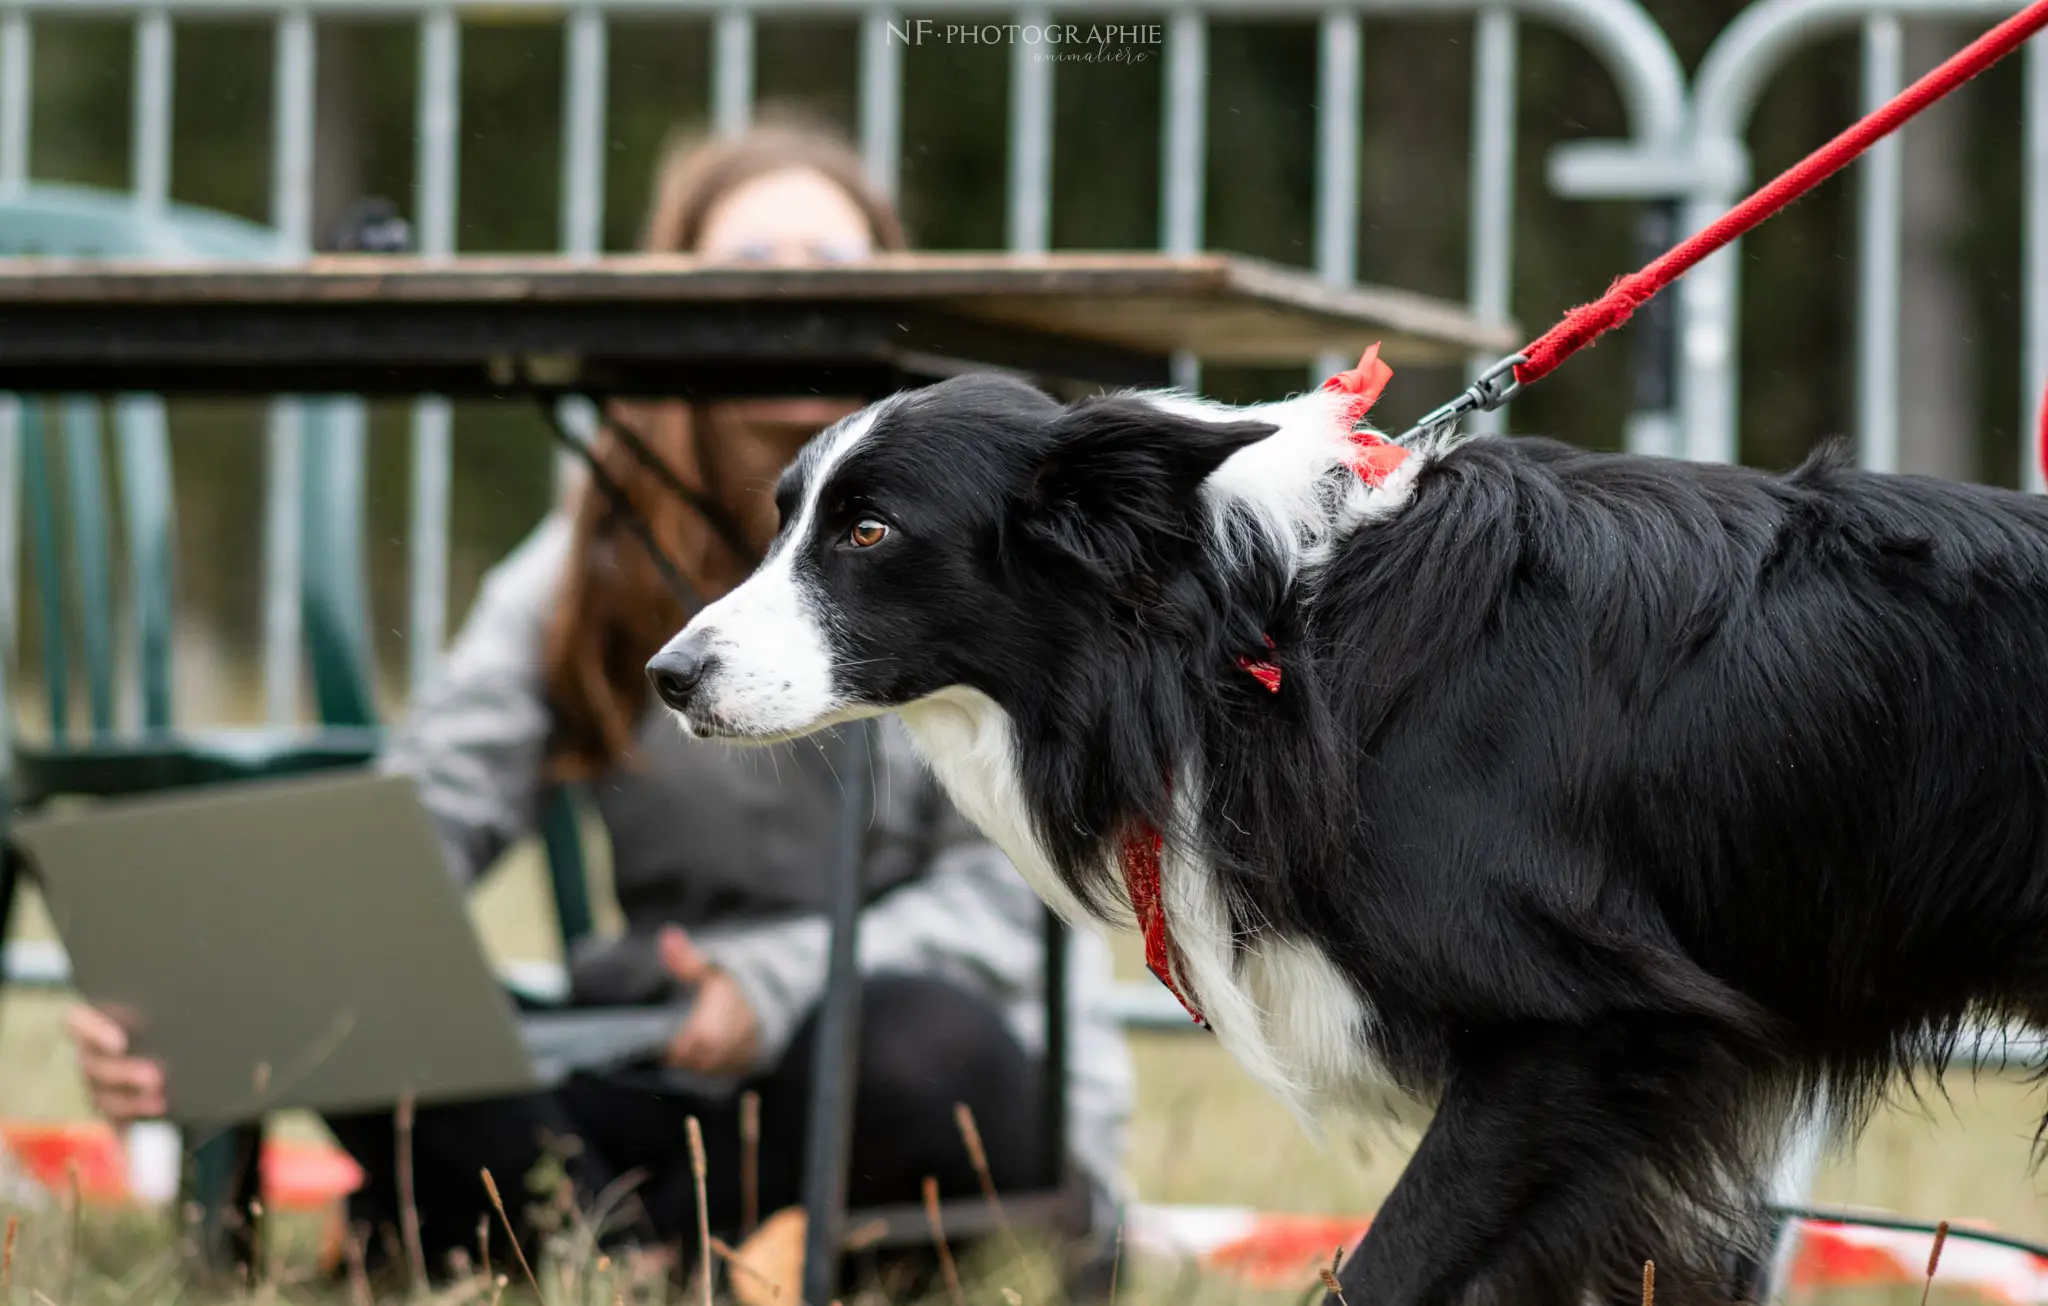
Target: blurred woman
719	856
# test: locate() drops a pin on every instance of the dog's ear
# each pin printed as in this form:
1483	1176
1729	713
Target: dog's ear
1116	486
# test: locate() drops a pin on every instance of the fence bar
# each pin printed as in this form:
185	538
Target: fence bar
583	170
1338	79
1030	138
1491	235
881	98
17	61
1182	171
433	419
16	58
2034	172
1187	76
10	531
435	181
433	437
291	210
291	159
586	60
1877	272
1707	381
282	560
732	71
150	168
583	133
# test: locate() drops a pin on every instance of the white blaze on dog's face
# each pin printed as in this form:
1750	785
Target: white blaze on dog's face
756	664
854	608
923	546
763	667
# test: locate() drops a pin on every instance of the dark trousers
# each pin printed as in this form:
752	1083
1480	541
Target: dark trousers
925	1045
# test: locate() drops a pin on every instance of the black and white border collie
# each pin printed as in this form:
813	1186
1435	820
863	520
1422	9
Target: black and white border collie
1616	807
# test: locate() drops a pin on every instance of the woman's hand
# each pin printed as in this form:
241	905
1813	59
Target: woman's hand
124	1088
721	1036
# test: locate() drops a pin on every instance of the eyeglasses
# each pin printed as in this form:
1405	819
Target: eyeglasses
816	251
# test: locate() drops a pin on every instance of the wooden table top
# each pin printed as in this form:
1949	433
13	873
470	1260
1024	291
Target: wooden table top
1223	308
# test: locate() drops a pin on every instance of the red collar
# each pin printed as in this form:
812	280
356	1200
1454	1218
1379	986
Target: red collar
1373	458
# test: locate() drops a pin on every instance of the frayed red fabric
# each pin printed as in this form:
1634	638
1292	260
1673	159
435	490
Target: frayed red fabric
1373	458
1363	383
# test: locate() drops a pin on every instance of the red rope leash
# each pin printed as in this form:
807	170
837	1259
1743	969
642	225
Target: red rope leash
1587	323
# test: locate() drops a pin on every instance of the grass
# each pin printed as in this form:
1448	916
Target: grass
1203	1133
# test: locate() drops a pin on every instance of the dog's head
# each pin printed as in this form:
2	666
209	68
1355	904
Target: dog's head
925	542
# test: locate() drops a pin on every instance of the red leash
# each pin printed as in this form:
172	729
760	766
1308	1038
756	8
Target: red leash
1587	323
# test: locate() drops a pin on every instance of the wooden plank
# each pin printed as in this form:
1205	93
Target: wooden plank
698	349
643	277
1224	308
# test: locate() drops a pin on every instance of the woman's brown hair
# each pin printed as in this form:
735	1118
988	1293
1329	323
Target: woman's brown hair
613	610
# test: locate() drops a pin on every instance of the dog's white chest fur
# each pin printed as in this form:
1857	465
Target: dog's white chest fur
1277	1004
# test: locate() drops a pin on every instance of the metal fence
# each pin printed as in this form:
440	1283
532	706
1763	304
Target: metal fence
1725	91
1684	154
1618	32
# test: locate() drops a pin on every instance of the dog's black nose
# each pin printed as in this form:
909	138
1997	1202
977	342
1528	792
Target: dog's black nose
677	671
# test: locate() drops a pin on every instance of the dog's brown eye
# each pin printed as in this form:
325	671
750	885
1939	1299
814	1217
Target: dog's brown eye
867	533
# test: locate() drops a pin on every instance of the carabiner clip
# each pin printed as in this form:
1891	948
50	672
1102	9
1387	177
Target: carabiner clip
1495	386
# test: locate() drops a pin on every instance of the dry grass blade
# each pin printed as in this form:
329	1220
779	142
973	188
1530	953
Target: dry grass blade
697	1170
1649	1283
970	1134
7	1254
1116	1261
1934	1259
261	1255
1328	1274
408	1209
76	1196
358	1273
511	1234
732	1257
750	1163
931	1215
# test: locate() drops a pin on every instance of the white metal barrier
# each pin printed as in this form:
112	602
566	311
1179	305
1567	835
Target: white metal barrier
1617	31
1733	75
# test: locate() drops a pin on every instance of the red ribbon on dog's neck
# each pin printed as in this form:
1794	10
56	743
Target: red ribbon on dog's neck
1373	458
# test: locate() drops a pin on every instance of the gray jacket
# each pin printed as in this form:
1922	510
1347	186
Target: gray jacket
733	845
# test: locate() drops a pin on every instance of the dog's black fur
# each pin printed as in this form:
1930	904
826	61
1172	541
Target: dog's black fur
1638	798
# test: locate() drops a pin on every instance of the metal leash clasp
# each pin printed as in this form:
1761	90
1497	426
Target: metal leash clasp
1495	386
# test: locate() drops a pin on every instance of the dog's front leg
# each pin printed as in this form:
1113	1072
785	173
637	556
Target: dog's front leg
1561	1159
